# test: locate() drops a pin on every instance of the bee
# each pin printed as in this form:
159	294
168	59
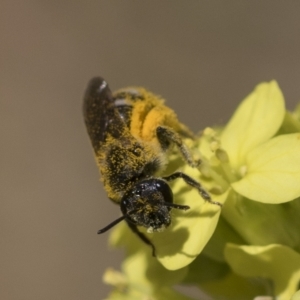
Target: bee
131	132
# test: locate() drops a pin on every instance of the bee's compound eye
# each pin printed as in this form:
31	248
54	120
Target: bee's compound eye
165	190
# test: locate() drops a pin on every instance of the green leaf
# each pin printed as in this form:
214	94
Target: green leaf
256	120
277	263
273	171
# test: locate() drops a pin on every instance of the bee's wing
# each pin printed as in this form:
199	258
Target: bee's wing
100	114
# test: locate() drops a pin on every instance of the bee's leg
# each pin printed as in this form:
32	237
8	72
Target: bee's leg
167	135
142	237
190	181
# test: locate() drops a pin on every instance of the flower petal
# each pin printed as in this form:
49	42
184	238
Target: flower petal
273	173
219	282
257	119
223	234
232	287
143	276
290	124
262	224
140	267
296	296
190	231
276	262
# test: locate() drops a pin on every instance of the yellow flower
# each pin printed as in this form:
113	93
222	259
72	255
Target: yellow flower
252	166
265	168
273	262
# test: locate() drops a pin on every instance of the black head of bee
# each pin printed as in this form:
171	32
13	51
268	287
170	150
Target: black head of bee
148	204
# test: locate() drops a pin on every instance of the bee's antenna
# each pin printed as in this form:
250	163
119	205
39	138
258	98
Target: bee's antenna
178	206
112	224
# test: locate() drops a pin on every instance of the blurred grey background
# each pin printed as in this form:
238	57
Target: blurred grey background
203	56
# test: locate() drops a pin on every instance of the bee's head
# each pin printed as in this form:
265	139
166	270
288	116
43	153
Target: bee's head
148	204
